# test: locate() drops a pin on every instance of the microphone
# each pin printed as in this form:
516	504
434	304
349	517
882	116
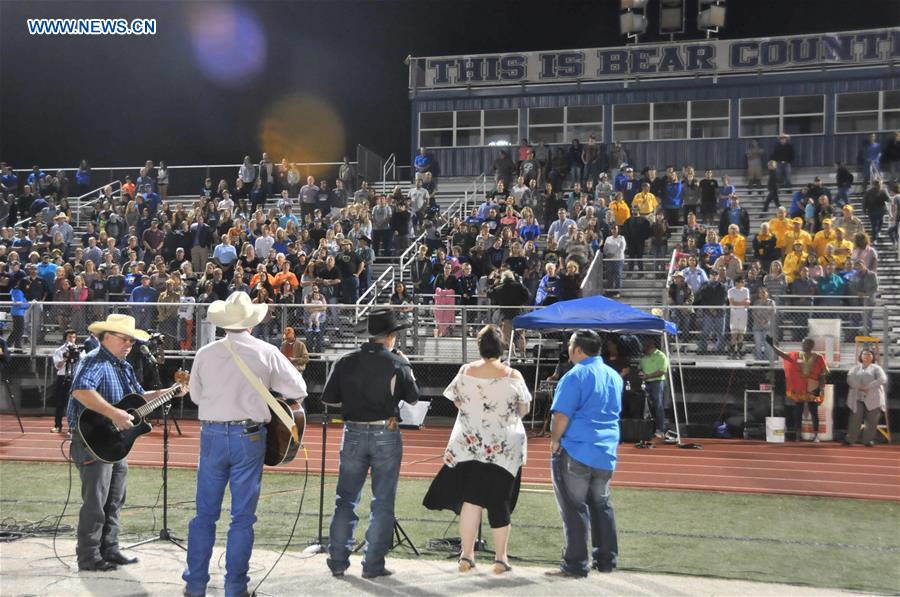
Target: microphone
145	350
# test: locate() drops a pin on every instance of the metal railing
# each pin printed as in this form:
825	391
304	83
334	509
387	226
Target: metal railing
389	167
592	283
190	185
471	194
80	206
367	299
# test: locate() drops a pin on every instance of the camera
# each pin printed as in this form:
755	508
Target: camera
72	354
156	339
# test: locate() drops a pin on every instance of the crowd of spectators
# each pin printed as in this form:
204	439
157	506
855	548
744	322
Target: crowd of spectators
290	241
263	232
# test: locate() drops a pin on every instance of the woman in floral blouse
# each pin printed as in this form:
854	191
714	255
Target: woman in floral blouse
486	451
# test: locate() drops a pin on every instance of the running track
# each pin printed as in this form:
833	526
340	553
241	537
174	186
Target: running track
825	469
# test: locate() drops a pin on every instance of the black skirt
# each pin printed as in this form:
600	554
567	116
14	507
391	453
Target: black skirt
487	485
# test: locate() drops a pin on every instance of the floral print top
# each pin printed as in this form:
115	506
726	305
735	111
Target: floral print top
488	427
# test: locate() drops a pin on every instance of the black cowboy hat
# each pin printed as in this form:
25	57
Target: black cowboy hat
382	322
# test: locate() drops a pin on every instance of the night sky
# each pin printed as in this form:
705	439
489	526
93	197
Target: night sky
308	79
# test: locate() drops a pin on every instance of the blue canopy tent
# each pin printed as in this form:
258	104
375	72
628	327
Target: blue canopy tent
604	314
594	312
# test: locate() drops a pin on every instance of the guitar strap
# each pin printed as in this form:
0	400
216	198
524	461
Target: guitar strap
264	392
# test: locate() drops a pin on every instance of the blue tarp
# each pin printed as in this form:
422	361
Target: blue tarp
594	312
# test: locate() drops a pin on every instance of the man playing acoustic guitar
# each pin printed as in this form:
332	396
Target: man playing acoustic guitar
233	436
102	379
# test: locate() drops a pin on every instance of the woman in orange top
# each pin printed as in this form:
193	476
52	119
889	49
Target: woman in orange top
804	375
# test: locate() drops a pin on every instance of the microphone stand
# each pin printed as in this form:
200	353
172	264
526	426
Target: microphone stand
164	533
321	543
12	398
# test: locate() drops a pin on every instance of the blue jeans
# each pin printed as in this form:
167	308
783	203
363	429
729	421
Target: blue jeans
364	447
614	268
842	198
784	174
713	324
583	498
228	456
656	392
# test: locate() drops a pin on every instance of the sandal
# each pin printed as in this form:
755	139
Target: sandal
501	567
465	564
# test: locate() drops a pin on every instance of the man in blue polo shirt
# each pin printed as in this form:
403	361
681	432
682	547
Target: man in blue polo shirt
583	442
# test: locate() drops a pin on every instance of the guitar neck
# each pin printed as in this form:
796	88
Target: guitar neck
157	402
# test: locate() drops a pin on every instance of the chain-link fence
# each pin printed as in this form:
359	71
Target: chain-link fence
718	354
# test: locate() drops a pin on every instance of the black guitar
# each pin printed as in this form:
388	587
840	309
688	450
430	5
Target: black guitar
107	443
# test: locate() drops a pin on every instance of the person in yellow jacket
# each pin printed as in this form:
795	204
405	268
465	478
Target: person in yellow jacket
797	233
842	248
793	261
736	240
619	209
779	225
645	201
823	237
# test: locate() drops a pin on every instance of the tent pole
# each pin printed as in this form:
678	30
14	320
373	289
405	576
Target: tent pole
537	376
665	337
681	375
510	350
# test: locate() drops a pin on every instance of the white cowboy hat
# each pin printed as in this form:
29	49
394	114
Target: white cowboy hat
119	324
236	313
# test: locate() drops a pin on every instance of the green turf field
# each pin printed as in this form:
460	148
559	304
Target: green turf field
849	544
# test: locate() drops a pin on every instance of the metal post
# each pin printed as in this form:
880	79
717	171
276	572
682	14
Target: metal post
465	336
537	376
415	326
672	389
681	375
886	340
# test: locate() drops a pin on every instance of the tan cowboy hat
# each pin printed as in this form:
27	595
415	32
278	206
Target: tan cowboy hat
119	324
236	313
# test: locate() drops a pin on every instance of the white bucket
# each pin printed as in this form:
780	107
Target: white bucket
775	430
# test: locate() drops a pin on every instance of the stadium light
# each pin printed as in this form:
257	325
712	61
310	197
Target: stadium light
671	17
632	21
711	17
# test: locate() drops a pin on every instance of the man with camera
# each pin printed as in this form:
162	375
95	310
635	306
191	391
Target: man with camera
64	359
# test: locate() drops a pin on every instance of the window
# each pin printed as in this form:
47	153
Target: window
562	125
772	116
706	119
868	111
468	128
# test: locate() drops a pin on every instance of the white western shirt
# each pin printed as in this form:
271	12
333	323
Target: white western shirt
221	391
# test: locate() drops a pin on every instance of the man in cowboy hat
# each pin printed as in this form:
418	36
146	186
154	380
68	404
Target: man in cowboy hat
101	380
233	436
368	383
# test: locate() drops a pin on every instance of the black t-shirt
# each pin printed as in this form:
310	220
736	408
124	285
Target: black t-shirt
347	264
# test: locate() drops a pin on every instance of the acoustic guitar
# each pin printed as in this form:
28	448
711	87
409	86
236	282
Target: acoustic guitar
281	447
107	443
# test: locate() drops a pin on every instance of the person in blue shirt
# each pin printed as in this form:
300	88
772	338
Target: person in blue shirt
225	254
870	155
9	182
423	162
17	312
672	199
83	178
47	270
144	294
35	177
583	441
